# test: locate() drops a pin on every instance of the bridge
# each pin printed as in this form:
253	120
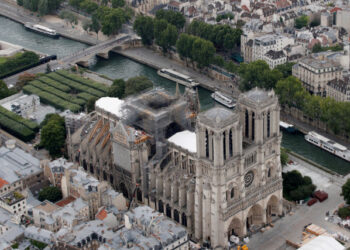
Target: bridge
81	57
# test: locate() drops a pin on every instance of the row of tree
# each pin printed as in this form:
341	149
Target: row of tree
42	6
17	62
224	37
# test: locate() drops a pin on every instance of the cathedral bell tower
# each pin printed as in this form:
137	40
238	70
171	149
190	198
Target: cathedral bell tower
219	141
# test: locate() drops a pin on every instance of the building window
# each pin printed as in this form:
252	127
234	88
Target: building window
206	143
232	193
246	123
268	124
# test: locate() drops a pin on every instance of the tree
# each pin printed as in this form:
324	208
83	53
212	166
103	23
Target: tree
137	84
203	52
48	68
218	60
284	156
43	7
317	48
344	212
117	89
90	104
315	22
144	27
258	74
296	187
95	25
172	17
88	6
291	92
52	194
168	37
20	2
346	191
118	3
112	21
301	21
184	46
285	69
53	135
159	27
4	91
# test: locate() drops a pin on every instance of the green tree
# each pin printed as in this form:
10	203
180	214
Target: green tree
284	156
167	37
317	48
315	22
144	27
43	7
159	27
95	25
291	92
301	21
51	193
346	191
344	212
90	104
53	135
118	3
184	46
20	2
172	17
4	91
112	21
117	89
285	69
88	6
218	60
203	52
231	66
137	84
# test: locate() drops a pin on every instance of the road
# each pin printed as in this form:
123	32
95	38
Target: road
291	226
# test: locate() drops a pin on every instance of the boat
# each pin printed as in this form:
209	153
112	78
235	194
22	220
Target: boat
328	145
223	99
41	30
177	77
288	127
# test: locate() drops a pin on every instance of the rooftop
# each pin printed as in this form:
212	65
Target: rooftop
65	201
12	198
60	165
17	164
186	140
47	206
112	105
218	117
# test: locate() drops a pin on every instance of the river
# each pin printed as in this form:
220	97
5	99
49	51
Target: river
121	67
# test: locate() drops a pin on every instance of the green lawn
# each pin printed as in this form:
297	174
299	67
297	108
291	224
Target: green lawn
5	58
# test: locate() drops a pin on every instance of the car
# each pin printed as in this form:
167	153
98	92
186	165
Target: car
311	201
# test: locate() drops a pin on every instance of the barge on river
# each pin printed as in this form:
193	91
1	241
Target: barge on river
41	30
177	77
328	145
288	127
223	99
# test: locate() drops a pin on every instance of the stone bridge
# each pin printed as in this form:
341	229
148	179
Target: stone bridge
102	49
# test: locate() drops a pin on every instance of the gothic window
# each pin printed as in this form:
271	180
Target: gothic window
232	193
206	143
246	123
268	124
253	126
224	144
231	143
269	172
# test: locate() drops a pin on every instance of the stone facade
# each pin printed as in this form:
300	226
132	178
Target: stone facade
222	179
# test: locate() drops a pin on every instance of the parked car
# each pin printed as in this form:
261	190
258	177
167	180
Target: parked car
311	201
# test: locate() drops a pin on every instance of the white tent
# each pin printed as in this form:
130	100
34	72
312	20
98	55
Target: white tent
323	243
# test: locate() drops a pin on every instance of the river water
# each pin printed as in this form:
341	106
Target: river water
121	67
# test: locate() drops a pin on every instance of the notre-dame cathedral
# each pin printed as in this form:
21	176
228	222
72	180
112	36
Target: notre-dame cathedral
216	172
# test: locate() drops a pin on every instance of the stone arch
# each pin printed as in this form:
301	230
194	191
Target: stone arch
160	206
176	215
255	216
168	210
235	228
272	208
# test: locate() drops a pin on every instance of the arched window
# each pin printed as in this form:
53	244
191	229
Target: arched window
268	124
253	126
206	143
246	124
269	172
232	193
224	144
230	138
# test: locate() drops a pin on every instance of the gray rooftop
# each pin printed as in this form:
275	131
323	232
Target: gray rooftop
258	97
17	164
218	117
